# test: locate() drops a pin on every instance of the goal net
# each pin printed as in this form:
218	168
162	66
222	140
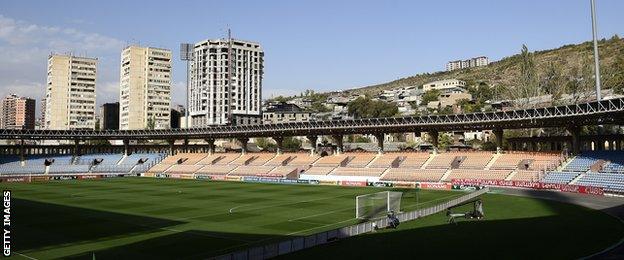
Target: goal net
377	205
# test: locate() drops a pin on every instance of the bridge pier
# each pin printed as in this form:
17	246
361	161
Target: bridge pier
171	143
21	151
185	147
243	141
211	145
312	139
76	147
433	134
575	132
380	142
498	133
279	140
338	141
126	144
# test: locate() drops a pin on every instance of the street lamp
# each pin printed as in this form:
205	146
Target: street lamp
186	54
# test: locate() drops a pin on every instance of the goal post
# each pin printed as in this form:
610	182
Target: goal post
377	205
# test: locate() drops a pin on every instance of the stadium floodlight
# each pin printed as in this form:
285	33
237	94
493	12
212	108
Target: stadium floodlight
596	58
377	205
186	54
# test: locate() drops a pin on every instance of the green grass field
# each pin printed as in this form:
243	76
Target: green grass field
186	219
163	218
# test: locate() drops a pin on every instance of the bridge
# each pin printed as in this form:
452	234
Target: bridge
608	111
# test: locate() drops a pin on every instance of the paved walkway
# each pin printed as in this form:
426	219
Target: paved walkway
610	205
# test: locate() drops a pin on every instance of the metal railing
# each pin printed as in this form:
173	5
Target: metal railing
300	243
597	112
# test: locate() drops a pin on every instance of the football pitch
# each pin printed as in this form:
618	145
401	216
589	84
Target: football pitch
167	219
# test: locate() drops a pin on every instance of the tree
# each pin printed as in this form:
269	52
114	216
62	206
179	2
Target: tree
281	99
291	144
527	84
581	81
364	107
431	95
553	81
613	77
264	143
444	141
151	123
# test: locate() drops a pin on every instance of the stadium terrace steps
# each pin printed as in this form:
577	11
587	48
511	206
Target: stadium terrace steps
524	175
410	174
443	161
333	160
216	169
511	175
251	170
478	174
301	159
183	168
383	160
475	160
429	159
492	161
575	180
347	171
319	170
360	159
560	177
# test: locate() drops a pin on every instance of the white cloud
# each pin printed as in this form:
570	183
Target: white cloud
25	48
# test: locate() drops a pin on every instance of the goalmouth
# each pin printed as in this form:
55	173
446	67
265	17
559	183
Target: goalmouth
377	205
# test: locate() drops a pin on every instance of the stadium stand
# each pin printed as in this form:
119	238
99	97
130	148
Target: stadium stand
523	175
183	168
302	159
443	161
413	160
284	170
560	177
226	158
385	160
368	172
613	182
106	159
333	160
360	159
407	174
251	170
281	159
475	160
319	170
216	169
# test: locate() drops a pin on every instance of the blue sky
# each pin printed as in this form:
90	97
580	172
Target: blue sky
321	45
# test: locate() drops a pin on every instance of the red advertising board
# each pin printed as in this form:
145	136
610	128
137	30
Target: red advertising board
353	183
531	185
435	186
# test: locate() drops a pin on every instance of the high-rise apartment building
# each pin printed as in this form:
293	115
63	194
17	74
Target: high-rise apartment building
469	63
109	116
70	92
17	113
226	83
145	89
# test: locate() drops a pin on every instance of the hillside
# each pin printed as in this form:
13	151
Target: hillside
503	73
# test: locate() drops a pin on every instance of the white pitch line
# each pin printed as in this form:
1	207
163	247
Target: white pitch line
282	204
320	214
26	256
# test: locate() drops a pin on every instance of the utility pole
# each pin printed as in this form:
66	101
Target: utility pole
596	59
